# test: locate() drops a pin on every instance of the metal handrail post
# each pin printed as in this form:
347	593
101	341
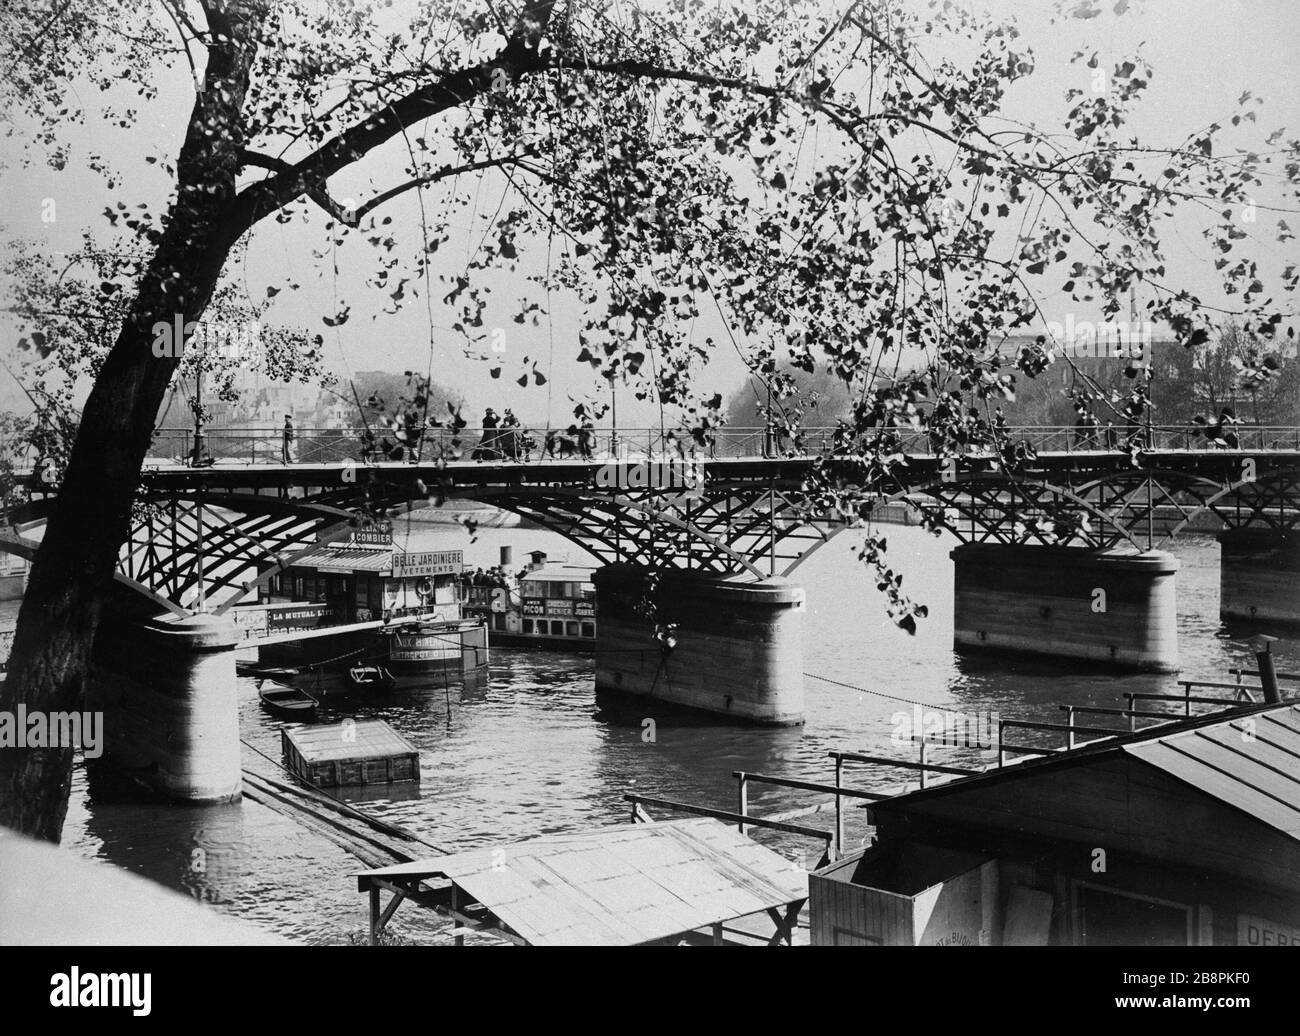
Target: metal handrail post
839	813
742	795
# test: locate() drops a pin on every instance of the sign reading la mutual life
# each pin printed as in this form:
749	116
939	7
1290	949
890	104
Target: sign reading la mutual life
427	563
302	617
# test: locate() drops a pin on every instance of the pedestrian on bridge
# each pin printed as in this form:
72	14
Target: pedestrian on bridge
287	443
1080	425
586	438
487	444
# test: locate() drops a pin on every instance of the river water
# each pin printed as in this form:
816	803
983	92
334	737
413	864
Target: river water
533	752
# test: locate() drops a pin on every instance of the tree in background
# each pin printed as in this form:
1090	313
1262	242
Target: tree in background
656	163
818	398
1258	380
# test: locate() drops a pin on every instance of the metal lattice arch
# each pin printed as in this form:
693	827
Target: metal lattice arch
189	551
208	537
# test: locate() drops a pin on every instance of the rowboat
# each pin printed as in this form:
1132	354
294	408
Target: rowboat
266	672
286	701
371	678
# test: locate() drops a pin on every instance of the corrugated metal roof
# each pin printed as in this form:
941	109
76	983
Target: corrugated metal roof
620	886
355	559
1257	774
1251	762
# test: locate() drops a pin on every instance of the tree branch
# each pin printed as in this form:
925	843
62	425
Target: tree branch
517	58
442	173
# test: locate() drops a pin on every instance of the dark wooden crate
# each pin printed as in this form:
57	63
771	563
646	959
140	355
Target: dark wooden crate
349	753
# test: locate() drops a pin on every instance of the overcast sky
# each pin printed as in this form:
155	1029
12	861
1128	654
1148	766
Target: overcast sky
1205	54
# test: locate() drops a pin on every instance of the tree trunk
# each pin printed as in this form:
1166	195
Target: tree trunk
72	573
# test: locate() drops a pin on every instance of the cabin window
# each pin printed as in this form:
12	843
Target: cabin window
588	629
557	628
528	625
1109	917
572	629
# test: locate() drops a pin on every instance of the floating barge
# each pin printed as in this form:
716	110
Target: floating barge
354	752
363	600
549	605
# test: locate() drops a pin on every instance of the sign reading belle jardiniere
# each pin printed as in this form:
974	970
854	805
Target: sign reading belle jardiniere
427	563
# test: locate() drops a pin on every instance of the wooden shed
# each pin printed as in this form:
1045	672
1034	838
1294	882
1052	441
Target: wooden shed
1186	833
353	752
897	896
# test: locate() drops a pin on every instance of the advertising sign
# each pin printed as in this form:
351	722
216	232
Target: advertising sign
1257	931
303	617
427	563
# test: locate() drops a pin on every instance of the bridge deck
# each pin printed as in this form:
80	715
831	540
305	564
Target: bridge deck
232	474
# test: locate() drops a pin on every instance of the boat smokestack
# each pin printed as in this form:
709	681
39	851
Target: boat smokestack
507	555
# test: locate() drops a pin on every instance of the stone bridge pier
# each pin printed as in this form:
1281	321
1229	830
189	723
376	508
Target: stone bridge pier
1259	574
1109	607
167	689
730	645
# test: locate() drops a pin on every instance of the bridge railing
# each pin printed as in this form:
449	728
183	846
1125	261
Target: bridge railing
267	445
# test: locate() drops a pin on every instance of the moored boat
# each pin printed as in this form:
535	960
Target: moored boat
364	598
371	678
551	604
288	702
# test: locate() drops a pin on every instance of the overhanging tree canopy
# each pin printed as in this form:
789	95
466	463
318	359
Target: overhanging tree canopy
837	184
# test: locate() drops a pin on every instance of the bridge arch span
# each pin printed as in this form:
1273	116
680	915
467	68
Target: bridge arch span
987	499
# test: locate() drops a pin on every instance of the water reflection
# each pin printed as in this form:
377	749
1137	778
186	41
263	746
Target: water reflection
199	850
